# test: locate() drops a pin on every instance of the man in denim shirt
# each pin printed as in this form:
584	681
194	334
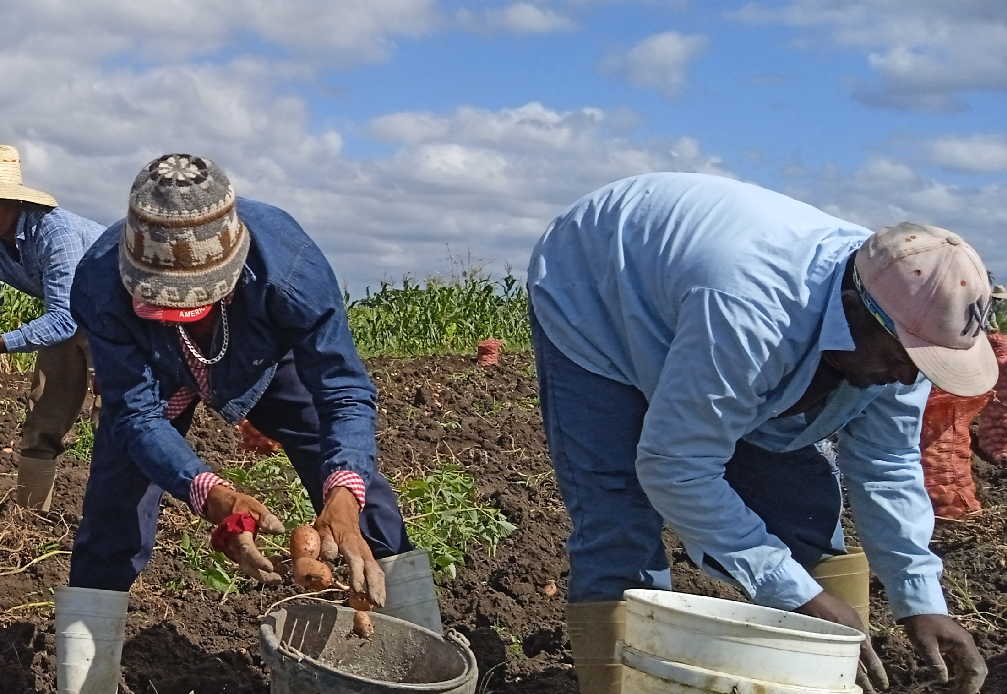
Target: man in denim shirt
698	340
199	296
41	246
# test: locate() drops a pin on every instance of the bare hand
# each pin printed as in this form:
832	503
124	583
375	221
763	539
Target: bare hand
224	501
338	526
871	674
935	636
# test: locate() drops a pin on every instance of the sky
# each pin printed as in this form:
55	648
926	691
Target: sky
421	137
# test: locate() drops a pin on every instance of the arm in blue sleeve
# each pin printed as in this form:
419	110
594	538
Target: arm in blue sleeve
60	252
879	454
132	405
312	309
724	355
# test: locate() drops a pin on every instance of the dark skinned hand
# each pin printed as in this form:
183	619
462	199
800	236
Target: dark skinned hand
948	650
224	501
871	675
338	526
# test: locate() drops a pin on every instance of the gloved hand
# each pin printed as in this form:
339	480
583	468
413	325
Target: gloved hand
238	518
338	526
935	636
871	674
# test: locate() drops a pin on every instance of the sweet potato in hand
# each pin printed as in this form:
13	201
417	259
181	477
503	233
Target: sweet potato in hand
312	574
304	542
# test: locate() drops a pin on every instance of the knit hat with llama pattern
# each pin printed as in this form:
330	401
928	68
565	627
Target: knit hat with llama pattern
182	245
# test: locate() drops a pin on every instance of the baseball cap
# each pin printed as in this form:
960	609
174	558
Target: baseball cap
168	314
936	292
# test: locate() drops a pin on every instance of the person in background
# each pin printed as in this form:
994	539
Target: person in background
40	246
701	343
199	296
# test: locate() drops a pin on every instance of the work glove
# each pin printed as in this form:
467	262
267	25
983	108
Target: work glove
338	527
871	675
941	642
238	518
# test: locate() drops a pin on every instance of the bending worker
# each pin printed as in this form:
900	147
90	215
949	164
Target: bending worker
41	246
701	344
199	296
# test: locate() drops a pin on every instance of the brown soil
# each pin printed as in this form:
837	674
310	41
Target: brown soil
509	603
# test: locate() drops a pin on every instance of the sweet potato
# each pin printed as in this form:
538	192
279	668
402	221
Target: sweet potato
362	605
304	542
312	574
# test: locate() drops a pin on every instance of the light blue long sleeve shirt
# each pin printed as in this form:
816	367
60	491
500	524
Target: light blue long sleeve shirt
716	298
50	243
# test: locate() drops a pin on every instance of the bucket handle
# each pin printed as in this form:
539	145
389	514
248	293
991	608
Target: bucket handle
453	635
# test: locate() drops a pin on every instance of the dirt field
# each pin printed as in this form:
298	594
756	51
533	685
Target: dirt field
184	640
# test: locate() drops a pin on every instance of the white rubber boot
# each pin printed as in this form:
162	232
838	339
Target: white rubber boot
595	629
90	626
35	477
409	590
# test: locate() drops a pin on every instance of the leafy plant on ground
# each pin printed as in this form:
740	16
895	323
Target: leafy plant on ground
16	309
445	516
273	481
83	439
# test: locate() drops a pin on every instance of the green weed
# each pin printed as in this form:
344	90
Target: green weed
275	483
214	569
445	517
83	442
16	309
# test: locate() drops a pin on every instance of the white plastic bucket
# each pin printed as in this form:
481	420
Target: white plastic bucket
688	643
409	589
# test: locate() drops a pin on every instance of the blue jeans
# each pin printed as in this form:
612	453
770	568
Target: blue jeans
121	506
593	425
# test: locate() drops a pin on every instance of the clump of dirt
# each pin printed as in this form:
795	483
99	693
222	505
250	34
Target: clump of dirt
508	603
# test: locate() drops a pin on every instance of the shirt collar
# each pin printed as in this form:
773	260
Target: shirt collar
835	334
22	225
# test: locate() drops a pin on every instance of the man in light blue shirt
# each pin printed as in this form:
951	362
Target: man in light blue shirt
709	353
40	246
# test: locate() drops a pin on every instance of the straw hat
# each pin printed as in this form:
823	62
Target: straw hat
10	180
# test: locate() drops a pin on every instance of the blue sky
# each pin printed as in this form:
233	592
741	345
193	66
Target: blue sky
404	132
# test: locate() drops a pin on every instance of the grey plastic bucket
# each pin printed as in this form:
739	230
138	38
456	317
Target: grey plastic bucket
308	650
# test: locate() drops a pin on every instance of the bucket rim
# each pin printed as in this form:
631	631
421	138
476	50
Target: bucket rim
684	673
634	597
269	639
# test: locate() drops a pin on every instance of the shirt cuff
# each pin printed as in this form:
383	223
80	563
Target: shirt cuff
348	479
787	588
916	595
199	490
14	341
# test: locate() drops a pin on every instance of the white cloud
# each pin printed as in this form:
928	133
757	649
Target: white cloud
883	192
347	32
975	153
516	18
657	62
927	54
88	114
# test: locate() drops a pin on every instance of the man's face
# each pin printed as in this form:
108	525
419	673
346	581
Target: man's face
879	358
10	210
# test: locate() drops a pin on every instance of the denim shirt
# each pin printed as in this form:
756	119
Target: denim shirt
287	300
716	298
50	243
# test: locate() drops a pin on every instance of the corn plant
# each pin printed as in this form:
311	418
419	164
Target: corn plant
441	316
